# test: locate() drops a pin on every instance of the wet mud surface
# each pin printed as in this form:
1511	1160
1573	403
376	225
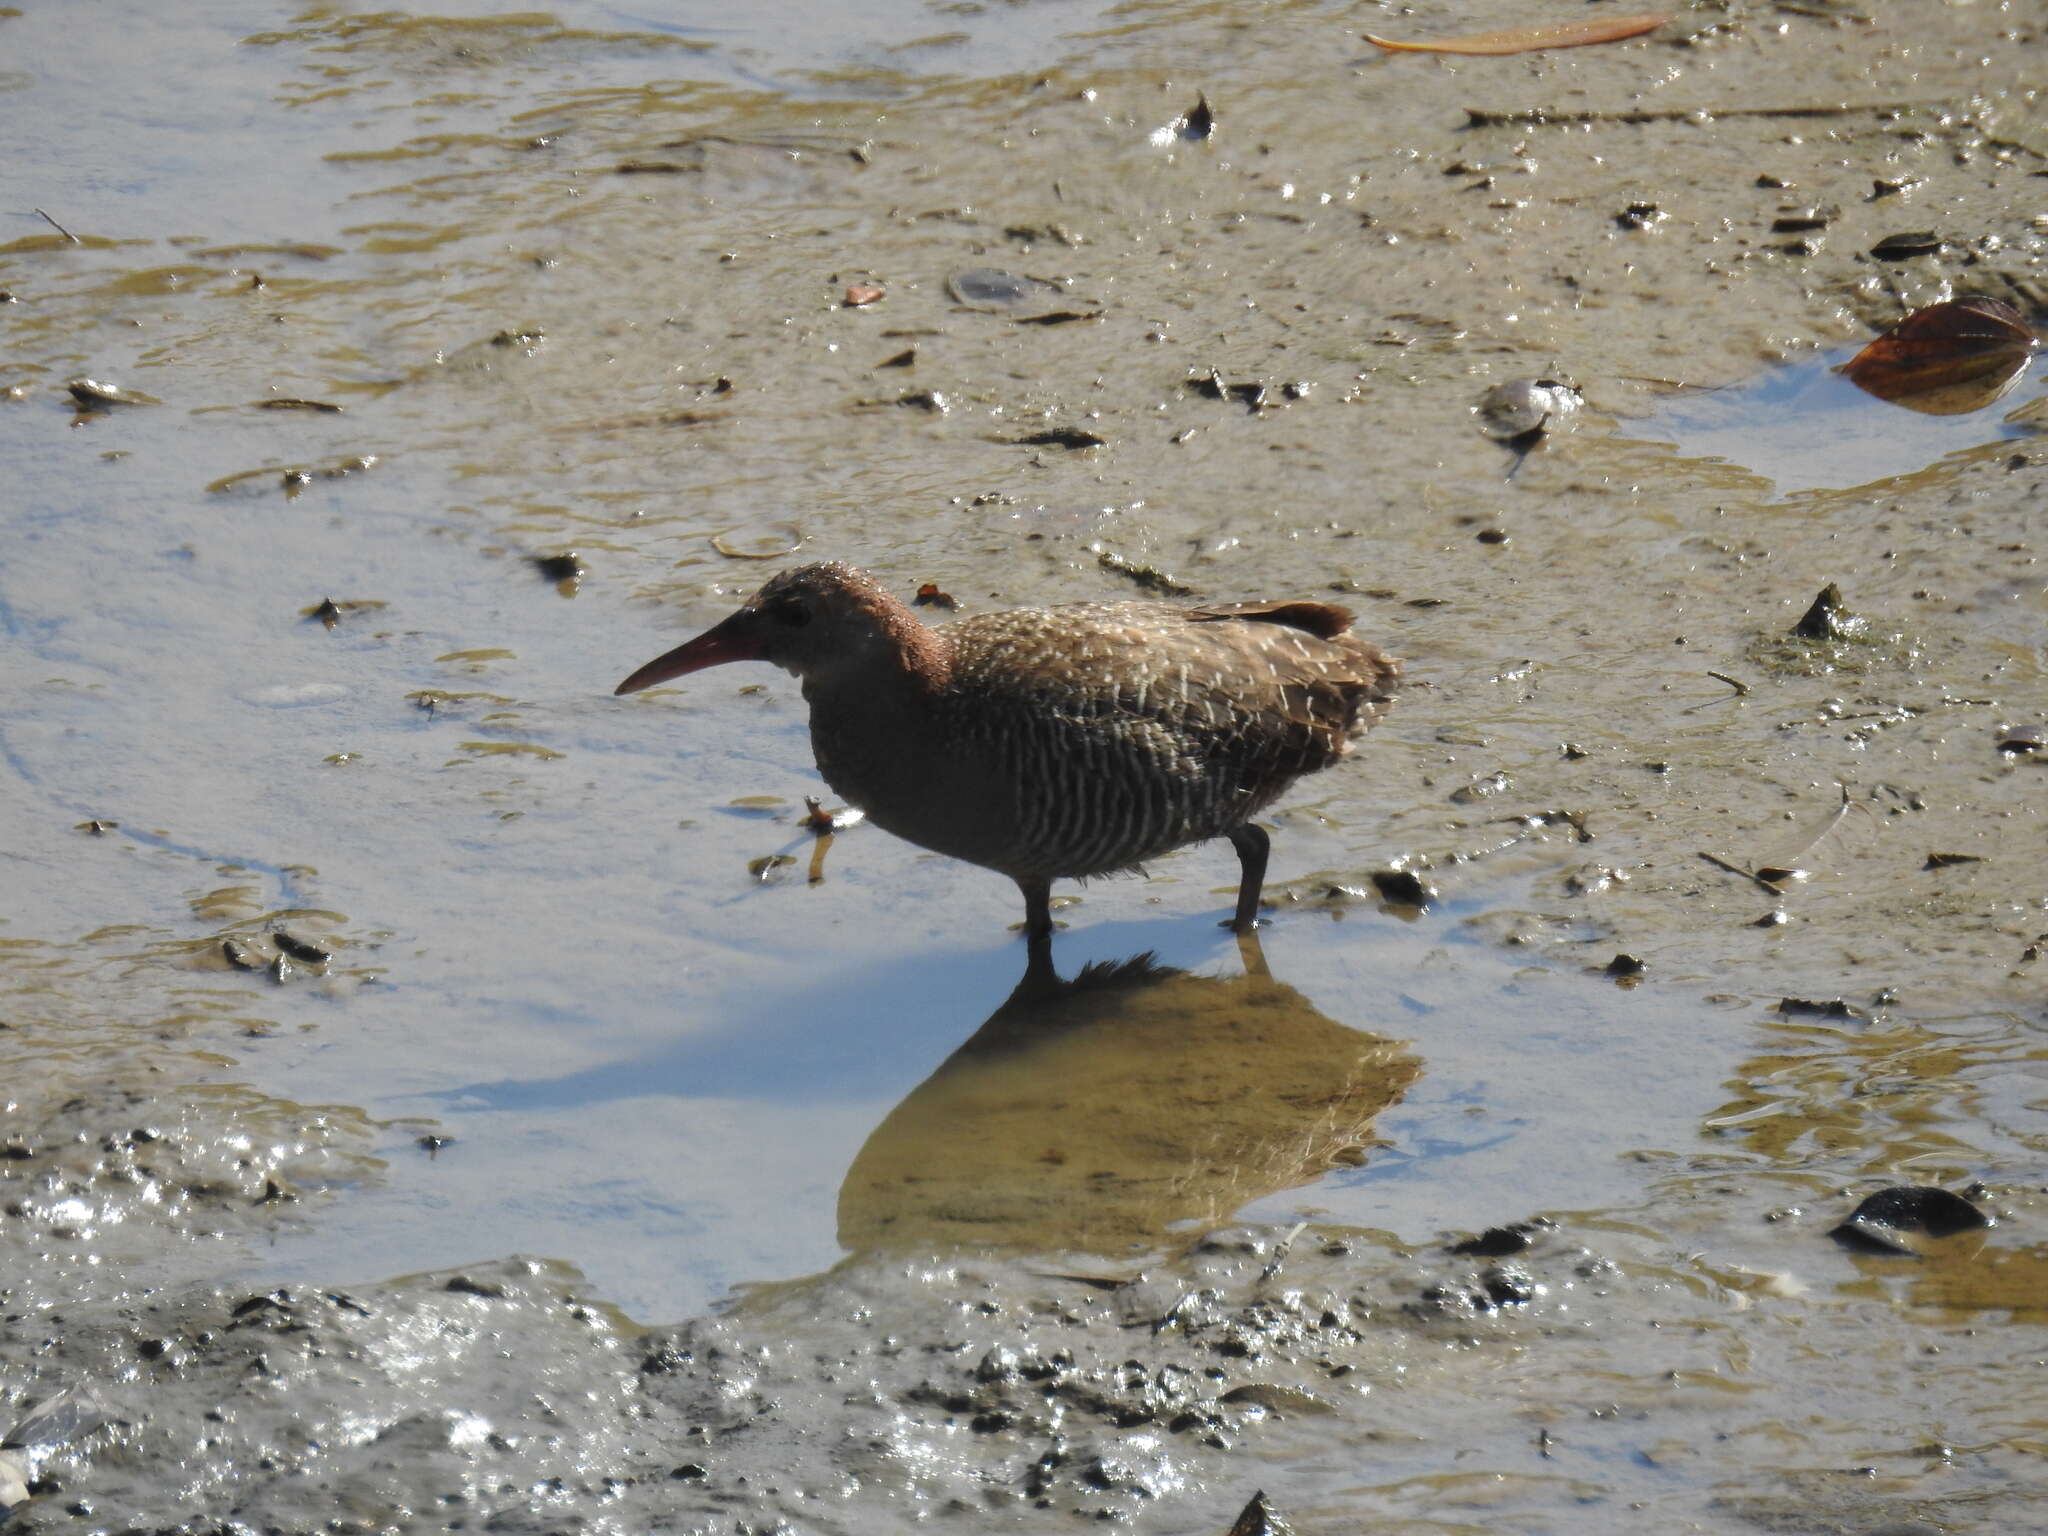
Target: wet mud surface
354	939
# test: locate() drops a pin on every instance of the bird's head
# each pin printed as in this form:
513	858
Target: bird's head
812	621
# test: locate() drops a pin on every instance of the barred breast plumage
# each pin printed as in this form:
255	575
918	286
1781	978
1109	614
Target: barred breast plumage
1057	742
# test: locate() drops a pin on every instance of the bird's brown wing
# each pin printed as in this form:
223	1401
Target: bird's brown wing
1325	620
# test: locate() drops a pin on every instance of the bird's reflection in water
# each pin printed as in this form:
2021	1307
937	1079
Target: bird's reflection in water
1102	1111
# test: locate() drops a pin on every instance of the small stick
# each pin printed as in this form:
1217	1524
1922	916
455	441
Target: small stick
57	227
1736	869
1736	683
1487	117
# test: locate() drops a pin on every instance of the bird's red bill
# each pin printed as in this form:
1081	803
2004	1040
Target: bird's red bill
716	646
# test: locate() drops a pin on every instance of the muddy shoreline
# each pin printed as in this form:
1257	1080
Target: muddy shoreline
573	298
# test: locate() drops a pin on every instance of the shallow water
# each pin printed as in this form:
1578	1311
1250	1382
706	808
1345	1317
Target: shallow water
692	1085
1804	427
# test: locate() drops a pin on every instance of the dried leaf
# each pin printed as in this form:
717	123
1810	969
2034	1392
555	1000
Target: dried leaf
1563	34
1947	358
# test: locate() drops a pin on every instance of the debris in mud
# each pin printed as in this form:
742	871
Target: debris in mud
765	541
1502	1242
1829	618
565	569
1403	887
96	827
905	359
1883	1222
860	295
1946	359
928	400
91	395
2022	741
329	613
1150	577
1799	221
1497	1286
295	478
1060	437
1920	242
1257	1519
1830	637
1519	411
769	867
1640	216
1594	879
1192	126
241	956
46	218
1061	317
1562	34
1482	788
295	403
1950	860
1254	395
930	596
276	959
1625	967
298	948
1831	1008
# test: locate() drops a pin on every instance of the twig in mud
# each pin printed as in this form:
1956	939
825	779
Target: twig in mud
1538	117
1741	688
57	227
1280	1250
1775	877
1736	869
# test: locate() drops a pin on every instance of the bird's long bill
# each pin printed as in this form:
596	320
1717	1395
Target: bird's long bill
732	639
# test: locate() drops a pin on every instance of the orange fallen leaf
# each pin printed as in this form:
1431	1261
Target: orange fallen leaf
862	293
1947	358
1561	34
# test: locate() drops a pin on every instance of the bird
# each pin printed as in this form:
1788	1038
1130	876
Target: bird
1061	742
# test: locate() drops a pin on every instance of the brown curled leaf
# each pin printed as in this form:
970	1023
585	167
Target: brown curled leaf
1560	34
1946	358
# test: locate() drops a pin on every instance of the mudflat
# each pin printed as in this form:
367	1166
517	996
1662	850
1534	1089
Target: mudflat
399	1034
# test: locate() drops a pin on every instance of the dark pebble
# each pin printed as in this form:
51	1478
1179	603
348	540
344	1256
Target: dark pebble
1881	1220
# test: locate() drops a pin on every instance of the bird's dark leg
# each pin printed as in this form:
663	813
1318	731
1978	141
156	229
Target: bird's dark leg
1037	891
1252	845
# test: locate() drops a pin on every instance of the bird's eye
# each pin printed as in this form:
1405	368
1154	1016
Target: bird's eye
790	613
